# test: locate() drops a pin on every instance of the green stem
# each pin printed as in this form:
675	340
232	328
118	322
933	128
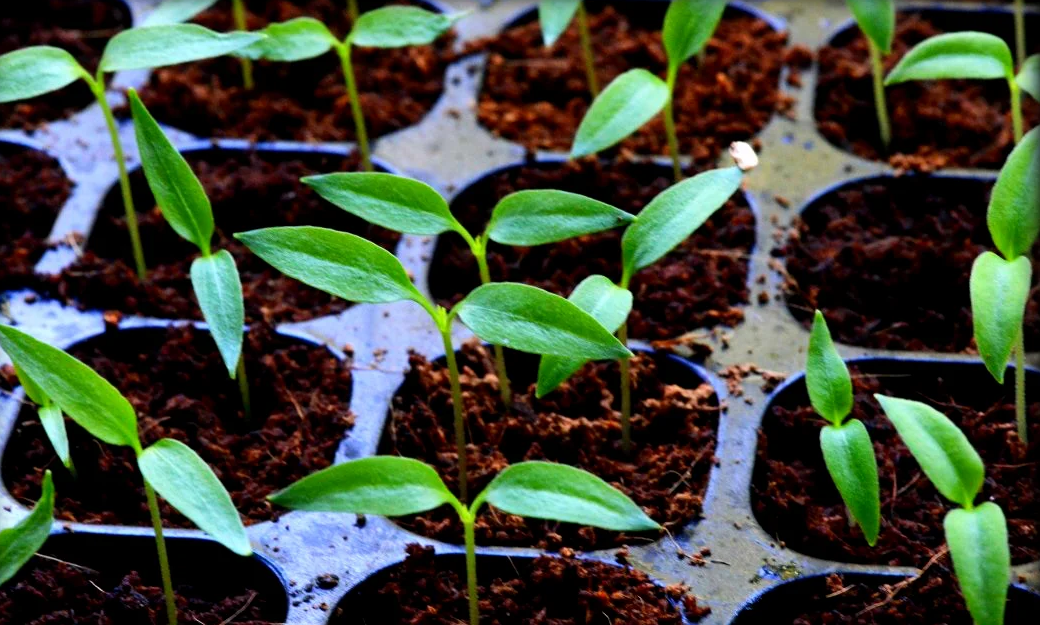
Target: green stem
587	51
243	387
1016	110
355	105
1020	388
626	394
1020	31
471	568
164	560
352	11
238	9
669	125
456	401
504	387
880	103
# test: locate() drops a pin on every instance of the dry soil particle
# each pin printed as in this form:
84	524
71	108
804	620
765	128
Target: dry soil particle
81	27
702	283
248	190
934	123
796	502
674	427
538	96
303	101
179	387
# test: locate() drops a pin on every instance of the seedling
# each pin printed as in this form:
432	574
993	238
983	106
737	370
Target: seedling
168	467
21	542
1000	287
393	486
38	70
976	534
533	217
847	450
637	96
877	20
184	204
514	315
389	27
555	16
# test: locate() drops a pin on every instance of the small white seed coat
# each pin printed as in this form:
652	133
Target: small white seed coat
744	155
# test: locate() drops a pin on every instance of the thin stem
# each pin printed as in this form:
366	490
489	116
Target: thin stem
238	9
1020	388
1020	31
880	103
352	11
471	569
504	387
344	51
626	394
164	560
587	51
456	401
243	387
669	124
1016	111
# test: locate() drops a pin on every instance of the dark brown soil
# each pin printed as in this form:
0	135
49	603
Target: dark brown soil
795	500
538	96
673	431
177	383
303	101
703	283
81	27
430	590
33	188
888	263
248	190
934	124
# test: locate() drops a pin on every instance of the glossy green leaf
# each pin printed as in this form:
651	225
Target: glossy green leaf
295	40
978	541
177	191
20	543
219	291
558	492
999	290
537	216
943	451
90	400
554	17
877	20
674	214
608	304
400	26
394	202
1014	207
386	485
338	263
183	479
955	55
32	389
149	47
1028	78
37	70
528	319
849	456
688	25
629	101
826	376
177	11
54	427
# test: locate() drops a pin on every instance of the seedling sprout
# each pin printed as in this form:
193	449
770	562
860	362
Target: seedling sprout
877	20
177	11
555	16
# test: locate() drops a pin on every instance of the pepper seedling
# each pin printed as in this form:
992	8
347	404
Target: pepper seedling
637	96
1000	287
21	542
168	466
877	20
393	486
184	205
38	70
519	316
976	534
388	27
525	218
554	17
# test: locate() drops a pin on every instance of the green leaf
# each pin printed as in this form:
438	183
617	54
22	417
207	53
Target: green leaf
850	460
688	25
54	427
177	191
1028	78
32	390
536	217
149	47
182	478
555	16
943	451
400	26
295	40
608	304
37	70
81	393
529	319
1014	207
20	543
338	263
826	376
557	492
877	20
393	202
674	214
629	101
386	485
962	55
999	291
176	11
219	291
978	542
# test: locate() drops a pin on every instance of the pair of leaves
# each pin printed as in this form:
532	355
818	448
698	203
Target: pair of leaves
877	20
19	543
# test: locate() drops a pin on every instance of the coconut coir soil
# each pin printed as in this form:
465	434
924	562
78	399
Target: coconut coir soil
702	283
674	426
303	101
795	500
179	387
